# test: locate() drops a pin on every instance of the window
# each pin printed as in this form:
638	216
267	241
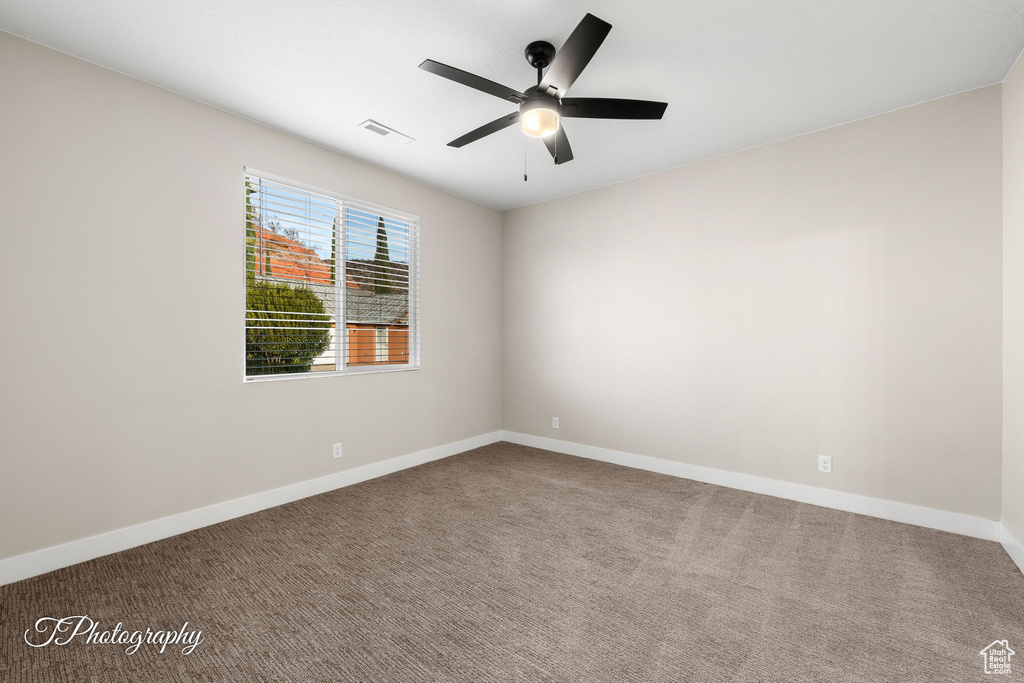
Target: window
331	283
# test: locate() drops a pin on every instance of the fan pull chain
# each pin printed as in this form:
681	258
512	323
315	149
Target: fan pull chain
524	159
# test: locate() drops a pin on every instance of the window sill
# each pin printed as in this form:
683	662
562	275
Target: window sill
345	373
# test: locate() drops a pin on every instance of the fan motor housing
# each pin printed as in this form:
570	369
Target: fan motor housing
537	100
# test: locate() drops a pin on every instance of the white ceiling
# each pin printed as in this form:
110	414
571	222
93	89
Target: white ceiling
736	73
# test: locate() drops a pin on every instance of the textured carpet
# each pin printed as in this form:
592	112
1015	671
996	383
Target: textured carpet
509	563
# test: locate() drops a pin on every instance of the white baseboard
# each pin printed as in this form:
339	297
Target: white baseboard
1014	548
48	559
954	522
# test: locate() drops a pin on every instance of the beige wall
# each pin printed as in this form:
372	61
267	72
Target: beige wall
122	301
837	293
1013	301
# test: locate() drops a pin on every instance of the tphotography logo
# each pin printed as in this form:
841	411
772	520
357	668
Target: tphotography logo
53	631
997	657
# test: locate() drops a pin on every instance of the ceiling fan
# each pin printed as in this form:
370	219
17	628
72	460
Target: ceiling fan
543	106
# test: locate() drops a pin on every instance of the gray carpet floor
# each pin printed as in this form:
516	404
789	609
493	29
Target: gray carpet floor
509	563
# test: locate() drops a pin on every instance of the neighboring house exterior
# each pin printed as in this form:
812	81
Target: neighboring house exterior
376	324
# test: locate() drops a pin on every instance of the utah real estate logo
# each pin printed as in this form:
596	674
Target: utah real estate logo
997	657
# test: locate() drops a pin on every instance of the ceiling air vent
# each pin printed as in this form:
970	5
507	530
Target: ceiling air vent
385	132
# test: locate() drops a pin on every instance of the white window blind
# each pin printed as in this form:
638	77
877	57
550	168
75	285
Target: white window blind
331	283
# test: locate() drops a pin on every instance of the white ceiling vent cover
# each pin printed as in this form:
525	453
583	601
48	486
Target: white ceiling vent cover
383	131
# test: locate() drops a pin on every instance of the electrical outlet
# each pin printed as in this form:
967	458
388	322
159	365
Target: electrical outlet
337	450
554	423
825	464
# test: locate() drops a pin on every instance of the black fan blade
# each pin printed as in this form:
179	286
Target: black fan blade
473	81
485	130
558	145
608	108
574	56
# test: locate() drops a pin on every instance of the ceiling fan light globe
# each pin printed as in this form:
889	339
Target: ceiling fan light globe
540	122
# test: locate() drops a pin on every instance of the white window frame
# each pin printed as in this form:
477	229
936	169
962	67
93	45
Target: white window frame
341	325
